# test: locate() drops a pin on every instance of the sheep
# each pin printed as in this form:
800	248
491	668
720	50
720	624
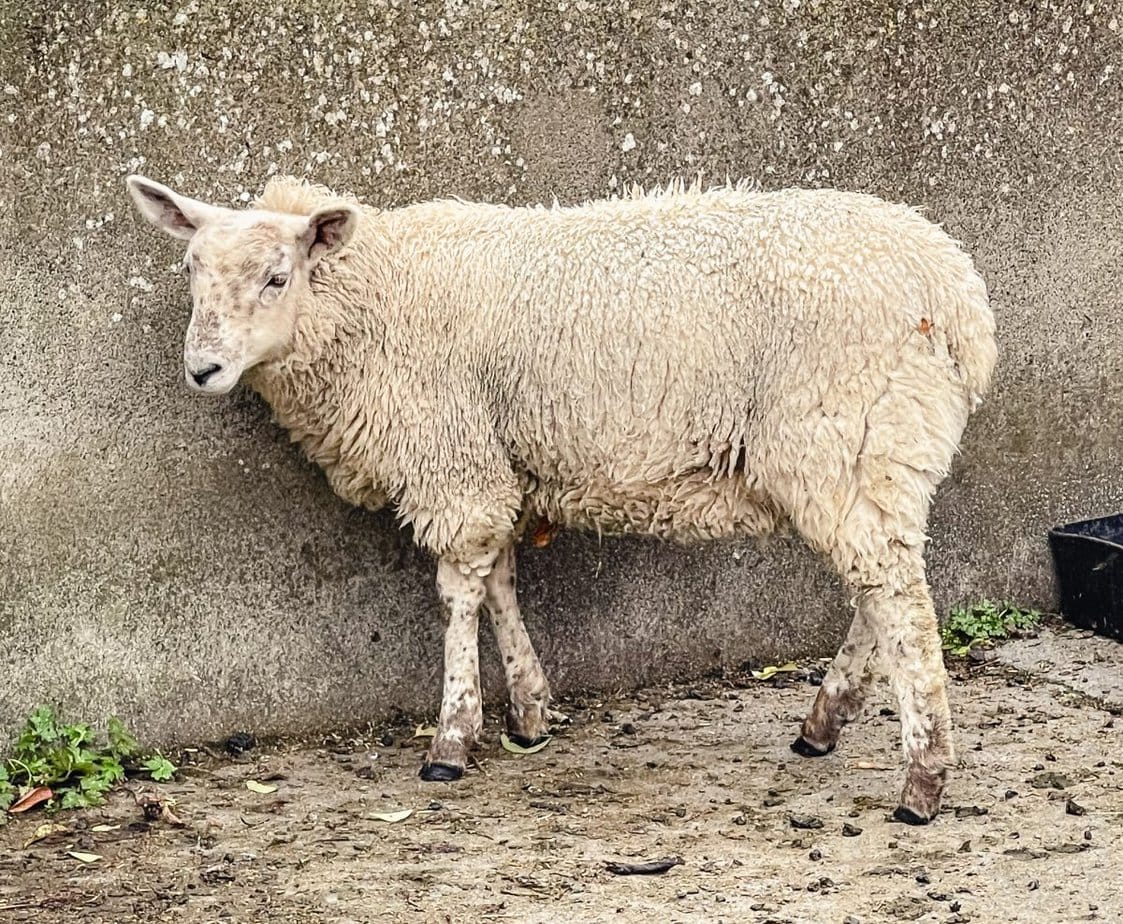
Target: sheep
687	363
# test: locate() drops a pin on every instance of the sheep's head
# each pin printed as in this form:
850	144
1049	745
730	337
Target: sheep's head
248	269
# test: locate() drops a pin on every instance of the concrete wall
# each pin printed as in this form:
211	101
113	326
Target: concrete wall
172	559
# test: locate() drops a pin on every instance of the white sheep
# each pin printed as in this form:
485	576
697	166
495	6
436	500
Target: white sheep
685	363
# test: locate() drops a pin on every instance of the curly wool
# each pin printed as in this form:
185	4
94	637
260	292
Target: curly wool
687	363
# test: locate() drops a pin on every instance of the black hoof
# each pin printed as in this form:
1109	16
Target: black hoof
908	816
524	742
805	748
440	773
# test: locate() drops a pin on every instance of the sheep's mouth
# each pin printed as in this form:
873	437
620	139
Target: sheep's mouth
219	384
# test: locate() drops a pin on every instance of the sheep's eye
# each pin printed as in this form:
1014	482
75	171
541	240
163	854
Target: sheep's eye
277	281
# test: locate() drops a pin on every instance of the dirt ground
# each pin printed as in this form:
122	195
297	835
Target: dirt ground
1031	831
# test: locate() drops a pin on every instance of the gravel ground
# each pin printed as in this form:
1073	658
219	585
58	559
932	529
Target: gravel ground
1031	830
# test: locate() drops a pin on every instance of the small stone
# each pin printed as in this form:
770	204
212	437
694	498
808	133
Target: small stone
1034	885
850	919
240	742
970	811
1050	779
805	822
816	854
1087	834
923	878
1011	794
849	830
1072	807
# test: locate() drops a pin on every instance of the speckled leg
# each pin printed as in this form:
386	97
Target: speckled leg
527	688
879	552
843	693
462	591
910	639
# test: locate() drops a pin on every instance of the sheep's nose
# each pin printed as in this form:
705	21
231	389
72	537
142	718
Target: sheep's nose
201	375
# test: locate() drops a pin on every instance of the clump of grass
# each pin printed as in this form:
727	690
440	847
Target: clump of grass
71	761
979	623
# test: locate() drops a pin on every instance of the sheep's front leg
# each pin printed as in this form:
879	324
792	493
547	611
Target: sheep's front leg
461	588
528	691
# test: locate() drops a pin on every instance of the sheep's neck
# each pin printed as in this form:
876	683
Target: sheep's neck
312	393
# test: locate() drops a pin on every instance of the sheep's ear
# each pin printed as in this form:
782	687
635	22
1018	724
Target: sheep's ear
328	230
177	215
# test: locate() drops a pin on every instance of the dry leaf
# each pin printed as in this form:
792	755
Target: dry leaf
925	326
509	745
772	670
84	857
425	731
44	831
31	799
650	868
392	816
101	829
262	788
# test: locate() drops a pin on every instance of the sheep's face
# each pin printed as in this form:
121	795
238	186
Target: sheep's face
247	271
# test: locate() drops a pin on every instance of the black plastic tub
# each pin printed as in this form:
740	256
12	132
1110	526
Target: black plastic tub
1088	557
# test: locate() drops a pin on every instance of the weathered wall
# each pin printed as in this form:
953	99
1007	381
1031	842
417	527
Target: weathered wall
174	560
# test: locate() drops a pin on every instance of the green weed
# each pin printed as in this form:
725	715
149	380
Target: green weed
984	621
70	760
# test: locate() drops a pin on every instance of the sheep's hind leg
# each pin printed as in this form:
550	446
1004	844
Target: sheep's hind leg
528	690
908	634
461	718
879	553
843	692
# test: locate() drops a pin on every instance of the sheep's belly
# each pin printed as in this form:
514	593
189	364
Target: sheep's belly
689	509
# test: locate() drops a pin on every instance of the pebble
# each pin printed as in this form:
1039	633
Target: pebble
969	811
1050	779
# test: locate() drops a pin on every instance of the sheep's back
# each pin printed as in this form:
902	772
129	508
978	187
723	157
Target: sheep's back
655	354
